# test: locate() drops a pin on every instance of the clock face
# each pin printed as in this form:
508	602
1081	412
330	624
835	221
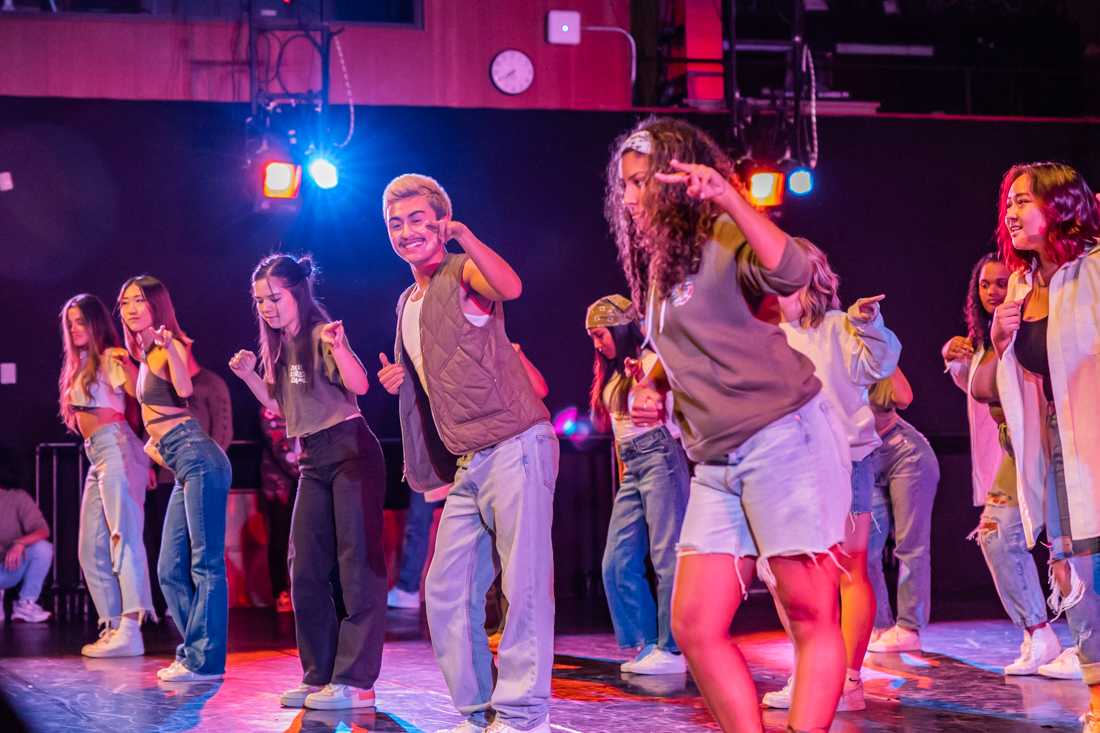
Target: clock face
512	71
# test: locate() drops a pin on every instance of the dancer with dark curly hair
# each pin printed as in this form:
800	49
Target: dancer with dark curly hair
771	486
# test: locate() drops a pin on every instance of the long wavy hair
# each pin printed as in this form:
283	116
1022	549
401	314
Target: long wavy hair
978	322
160	307
677	226
821	294
102	335
1071	211
296	275
628	341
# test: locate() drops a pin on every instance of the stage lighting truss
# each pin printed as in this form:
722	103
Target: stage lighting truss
776	138
288	130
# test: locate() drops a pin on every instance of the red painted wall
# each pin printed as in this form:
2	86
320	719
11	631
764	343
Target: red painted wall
446	63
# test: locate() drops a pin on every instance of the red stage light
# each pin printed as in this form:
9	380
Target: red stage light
282	180
766	187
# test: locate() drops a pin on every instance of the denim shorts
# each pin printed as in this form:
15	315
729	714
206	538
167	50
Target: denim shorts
863	485
786	490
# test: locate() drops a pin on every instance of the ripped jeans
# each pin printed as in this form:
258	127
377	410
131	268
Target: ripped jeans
1076	560
1000	534
111	544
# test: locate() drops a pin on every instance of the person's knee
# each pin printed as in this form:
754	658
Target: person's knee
695	629
807	613
170	570
41	550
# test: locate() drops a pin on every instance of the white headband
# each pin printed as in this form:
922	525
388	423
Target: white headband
640	142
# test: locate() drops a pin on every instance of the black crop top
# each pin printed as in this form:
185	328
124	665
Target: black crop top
157	392
1031	352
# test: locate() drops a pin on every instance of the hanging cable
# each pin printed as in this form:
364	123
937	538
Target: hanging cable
347	87
808	64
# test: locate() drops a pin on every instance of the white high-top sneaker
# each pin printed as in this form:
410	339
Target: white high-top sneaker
1039	648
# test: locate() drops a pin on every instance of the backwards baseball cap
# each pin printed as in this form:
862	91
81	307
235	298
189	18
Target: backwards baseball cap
610	310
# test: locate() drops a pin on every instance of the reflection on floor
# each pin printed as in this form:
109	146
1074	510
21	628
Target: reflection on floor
955	685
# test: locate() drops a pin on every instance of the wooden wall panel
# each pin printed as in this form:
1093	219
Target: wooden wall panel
443	64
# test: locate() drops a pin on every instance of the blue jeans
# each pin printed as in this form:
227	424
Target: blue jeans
192	549
646	516
31	571
414	548
906	476
503	493
1011	564
111	544
1082	613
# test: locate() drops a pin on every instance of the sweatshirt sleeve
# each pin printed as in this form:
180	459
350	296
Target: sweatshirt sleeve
871	350
792	272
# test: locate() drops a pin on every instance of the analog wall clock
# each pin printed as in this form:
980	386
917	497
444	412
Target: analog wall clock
512	71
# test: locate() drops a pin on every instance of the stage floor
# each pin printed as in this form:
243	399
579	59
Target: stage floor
955	685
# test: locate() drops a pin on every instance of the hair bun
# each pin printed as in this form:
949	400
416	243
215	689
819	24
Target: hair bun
306	264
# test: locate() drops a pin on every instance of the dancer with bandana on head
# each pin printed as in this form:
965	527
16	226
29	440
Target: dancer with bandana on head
653	489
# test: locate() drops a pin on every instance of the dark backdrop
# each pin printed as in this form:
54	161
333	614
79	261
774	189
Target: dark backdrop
106	189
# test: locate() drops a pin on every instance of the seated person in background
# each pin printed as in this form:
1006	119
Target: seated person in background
26	554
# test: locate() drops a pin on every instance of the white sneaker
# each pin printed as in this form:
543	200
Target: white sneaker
895	639
295	697
115	643
499	726
851	699
29	611
779	699
1037	649
339	697
176	672
398	598
628	666
464	727
660	661
1066	666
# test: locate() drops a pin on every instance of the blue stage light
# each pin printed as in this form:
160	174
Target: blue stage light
801	181
324	173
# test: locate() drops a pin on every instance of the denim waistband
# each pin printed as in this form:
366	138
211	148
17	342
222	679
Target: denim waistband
121	428
189	428
646	441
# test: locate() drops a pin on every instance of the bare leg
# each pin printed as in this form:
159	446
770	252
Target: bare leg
705	597
857	597
807	590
